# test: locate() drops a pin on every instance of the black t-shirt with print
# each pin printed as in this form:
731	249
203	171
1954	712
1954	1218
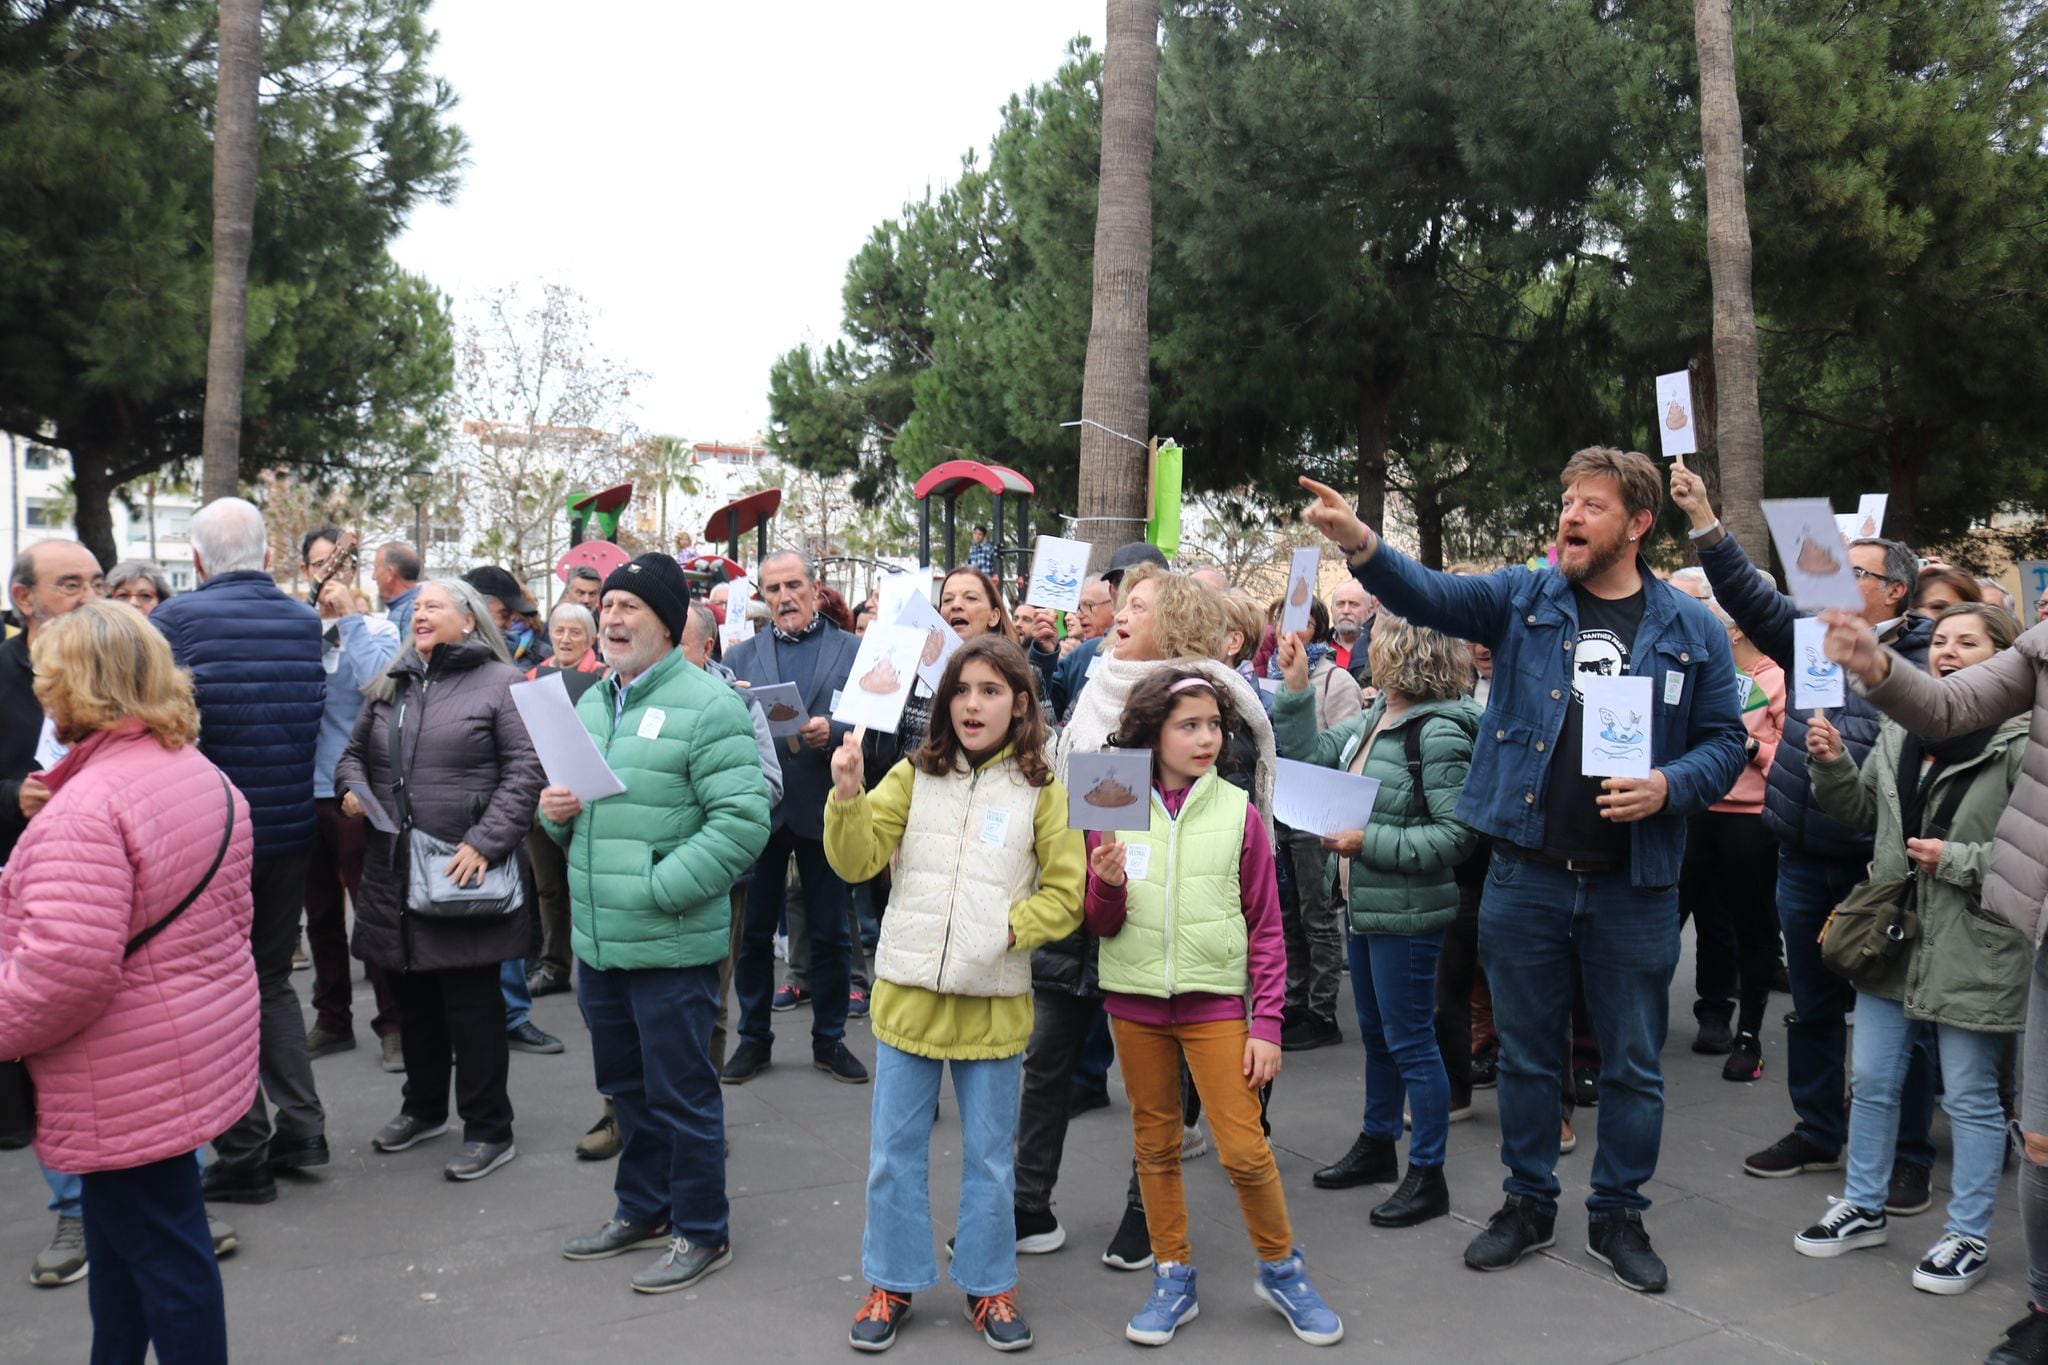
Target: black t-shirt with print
1572	824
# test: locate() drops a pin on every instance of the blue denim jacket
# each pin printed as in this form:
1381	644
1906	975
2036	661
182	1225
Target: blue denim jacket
1529	620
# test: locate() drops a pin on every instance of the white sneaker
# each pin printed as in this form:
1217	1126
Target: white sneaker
1194	1143
1843	1228
1952	1265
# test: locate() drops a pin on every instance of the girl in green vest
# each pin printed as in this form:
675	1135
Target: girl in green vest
986	870
1194	965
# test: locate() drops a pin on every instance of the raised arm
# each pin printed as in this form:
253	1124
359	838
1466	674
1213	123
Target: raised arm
1469	607
1969	699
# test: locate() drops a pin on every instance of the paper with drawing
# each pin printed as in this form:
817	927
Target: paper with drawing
1301	590
879	682
1057	568
1614	738
1109	789
1816	679
1815	556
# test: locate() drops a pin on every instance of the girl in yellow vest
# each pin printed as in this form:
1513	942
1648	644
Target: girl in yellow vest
1194	966
989	870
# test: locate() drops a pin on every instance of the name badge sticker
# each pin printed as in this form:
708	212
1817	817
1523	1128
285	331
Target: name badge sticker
1137	861
651	722
835	701
1093	664
1674	688
995	825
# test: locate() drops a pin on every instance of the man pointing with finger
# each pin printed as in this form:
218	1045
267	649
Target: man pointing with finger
1584	869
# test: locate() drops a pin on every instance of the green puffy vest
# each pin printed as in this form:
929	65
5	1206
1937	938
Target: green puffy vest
1184	927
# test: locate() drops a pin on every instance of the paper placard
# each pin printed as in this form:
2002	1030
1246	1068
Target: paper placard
892	592
782	705
2033	582
50	750
372	810
1869	519
879	683
940	639
1057	568
566	750
1614	736
1815	556
1301	590
1322	801
1674	414
733	632
1816	679
1110	789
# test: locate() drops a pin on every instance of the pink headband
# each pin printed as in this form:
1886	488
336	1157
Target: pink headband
1185	683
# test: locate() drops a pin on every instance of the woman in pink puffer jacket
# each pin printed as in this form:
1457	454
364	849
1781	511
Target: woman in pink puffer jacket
139	1058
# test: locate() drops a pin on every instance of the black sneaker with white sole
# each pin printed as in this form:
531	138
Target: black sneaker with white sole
1620	1243
1519	1228
1911	1190
1951	1265
1843	1228
1038	1233
1131	1248
1791	1155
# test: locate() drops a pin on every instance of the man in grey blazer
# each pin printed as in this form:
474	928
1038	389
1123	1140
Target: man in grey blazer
804	648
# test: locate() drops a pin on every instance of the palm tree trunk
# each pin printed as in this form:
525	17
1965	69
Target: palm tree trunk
234	219
1116	383
1739	441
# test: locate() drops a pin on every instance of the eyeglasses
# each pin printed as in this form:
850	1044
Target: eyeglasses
1862	573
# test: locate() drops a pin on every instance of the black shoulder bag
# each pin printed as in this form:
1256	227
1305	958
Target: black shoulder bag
17	1091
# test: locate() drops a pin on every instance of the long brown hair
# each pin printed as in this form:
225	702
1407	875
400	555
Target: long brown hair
1152	701
942	754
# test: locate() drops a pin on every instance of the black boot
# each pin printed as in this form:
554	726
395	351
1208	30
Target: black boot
1371	1161
1422	1196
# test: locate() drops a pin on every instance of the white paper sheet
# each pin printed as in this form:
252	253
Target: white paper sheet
1870	514
1816	680
1614	740
1301	590
1674	414
50	750
1057	568
940	640
734	631
566	750
1109	789
1323	801
1816	558
782	705
893	591
879	682
374	812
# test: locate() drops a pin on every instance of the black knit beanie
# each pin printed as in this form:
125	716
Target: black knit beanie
658	581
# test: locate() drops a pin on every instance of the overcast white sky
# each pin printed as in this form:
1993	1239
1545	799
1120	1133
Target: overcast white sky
702	172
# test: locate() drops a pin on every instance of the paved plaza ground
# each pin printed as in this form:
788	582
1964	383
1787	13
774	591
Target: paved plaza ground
379	1259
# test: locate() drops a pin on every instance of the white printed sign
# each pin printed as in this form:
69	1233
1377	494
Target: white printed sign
782	706
1816	679
1614	736
940	639
1815	556
1674	414
1110	789
879	682
1323	801
1057	568
1301	590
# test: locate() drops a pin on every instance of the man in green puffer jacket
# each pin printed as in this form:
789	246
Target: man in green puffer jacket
650	881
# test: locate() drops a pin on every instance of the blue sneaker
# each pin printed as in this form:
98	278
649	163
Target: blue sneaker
1172	1303
1285	1285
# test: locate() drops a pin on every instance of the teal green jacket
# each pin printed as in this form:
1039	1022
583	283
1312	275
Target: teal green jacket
1403	881
651	870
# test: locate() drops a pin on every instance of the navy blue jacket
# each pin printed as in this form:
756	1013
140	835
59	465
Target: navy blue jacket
1069	676
1530	620
254	654
1766	616
807	773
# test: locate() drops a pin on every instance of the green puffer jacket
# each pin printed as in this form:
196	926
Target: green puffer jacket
1968	968
1403	881
651	870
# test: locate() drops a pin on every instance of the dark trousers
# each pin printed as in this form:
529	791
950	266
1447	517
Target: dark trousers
1098	1055
551	892
333	872
458	1009
154	1280
825	922
650	1039
279	888
1816	1041
1457	970
1728	887
725	970
1312	923
1060	1026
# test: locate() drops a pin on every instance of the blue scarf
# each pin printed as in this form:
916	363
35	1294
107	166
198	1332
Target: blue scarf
1316	654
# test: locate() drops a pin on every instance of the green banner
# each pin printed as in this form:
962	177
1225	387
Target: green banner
1163	529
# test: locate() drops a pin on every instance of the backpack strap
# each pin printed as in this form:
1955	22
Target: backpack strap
226	833
1411	742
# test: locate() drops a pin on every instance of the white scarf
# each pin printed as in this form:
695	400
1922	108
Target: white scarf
1100	709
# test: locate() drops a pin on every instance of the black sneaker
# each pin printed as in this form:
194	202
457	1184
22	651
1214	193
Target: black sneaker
1619	1243
2026	1342
874	1326
1485	1071
1422	1196
1585	1087
1909	1192
406	1131
840	1065
1518	1229
1952	1264
1371	1161
995	1316
1745	1059
1714	1039
239	1184
1309	1033
1790	1155
528	1038
1131	1248
1038	1232
748	1060
1842	1229
478	1159
302	1155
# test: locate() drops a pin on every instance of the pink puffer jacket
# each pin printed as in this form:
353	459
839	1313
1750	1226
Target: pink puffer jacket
139	1059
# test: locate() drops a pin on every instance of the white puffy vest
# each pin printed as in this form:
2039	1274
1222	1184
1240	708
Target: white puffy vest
969	853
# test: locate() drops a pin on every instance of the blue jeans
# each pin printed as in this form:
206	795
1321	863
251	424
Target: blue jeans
753	977
65	1189
1533	920
896	1246
650	1043
154	1278
1885	1042
1393	986
1817	1039
518	999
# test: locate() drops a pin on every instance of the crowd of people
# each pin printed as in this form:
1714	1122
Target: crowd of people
188	782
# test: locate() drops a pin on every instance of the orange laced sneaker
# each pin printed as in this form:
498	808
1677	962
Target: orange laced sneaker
995	1316
874	1326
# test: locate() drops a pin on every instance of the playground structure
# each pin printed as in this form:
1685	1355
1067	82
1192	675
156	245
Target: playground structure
947	482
